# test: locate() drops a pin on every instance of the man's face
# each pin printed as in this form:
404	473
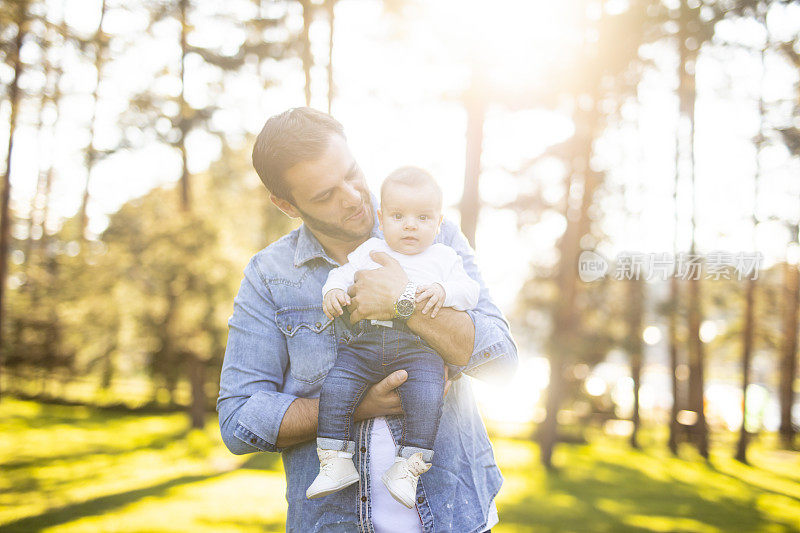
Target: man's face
409	217
331	195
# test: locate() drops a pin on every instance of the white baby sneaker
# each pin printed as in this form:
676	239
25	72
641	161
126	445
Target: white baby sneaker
401	478
336	471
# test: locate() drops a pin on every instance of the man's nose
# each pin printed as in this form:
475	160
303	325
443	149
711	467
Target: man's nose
352	196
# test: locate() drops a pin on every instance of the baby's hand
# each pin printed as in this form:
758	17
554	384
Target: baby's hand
333	301
435	296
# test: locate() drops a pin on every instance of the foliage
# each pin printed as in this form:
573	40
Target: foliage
153	290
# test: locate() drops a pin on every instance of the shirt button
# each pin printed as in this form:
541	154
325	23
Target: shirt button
253	440
486	354
363	449
363	498
319	325
289	327
420	499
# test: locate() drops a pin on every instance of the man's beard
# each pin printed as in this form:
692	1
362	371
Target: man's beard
336	232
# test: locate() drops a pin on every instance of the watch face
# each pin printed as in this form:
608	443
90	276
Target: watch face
405	308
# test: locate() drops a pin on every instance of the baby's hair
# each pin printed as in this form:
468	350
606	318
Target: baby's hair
412	177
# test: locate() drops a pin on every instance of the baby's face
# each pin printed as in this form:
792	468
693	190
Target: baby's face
409	217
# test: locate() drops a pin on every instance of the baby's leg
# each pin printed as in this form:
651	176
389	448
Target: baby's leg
342	391
421	398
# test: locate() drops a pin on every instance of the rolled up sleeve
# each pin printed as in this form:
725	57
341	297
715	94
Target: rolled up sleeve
250	404
494	355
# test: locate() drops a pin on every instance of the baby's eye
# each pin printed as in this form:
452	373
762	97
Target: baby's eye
423	217
397	216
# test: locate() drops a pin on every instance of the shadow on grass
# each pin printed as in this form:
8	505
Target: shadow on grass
97	506
245	525
609	497
151	407
756	486
159	442
75	416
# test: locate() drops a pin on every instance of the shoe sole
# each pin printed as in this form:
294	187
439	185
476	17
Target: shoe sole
397	497
346	482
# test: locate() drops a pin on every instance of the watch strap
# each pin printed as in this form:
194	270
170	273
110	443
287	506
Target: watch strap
409	295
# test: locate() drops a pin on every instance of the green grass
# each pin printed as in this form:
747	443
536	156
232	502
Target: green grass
81	469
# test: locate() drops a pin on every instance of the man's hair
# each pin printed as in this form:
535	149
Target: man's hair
412	177
294	136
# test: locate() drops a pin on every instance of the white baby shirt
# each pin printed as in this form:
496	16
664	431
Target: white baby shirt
437	264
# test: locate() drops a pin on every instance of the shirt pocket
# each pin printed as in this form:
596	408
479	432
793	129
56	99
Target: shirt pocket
309	341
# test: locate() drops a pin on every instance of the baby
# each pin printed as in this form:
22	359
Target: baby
410	216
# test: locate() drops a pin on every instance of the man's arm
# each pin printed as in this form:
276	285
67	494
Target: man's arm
251	403
451	333
254	413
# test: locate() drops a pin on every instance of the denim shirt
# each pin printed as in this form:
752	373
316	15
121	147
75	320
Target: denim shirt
280	347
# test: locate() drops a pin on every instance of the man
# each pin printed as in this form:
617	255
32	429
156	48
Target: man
281	345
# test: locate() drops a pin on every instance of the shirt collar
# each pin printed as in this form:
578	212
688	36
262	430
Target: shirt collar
308	247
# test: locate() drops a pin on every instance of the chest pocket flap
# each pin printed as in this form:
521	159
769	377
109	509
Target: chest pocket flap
309	340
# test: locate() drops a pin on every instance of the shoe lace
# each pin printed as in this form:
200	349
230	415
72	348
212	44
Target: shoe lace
326	463
413	470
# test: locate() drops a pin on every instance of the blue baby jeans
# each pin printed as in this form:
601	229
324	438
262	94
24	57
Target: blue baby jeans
367	354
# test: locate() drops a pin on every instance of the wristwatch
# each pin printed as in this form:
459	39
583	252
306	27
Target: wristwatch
404	306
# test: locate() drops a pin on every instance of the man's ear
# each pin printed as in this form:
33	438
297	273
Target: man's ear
380	220
288	209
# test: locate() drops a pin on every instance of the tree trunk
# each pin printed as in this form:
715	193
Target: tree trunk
470	198
49	174
184	119
788	366
5	198
674	428
197	379
34	218
697	369
747	348
687	94
331	5
305	43
635	311
91	153
750	290
563	345
674	306
196	371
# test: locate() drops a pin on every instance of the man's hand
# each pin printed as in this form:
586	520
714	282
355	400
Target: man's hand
434	293
375	291
381	399
333	301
